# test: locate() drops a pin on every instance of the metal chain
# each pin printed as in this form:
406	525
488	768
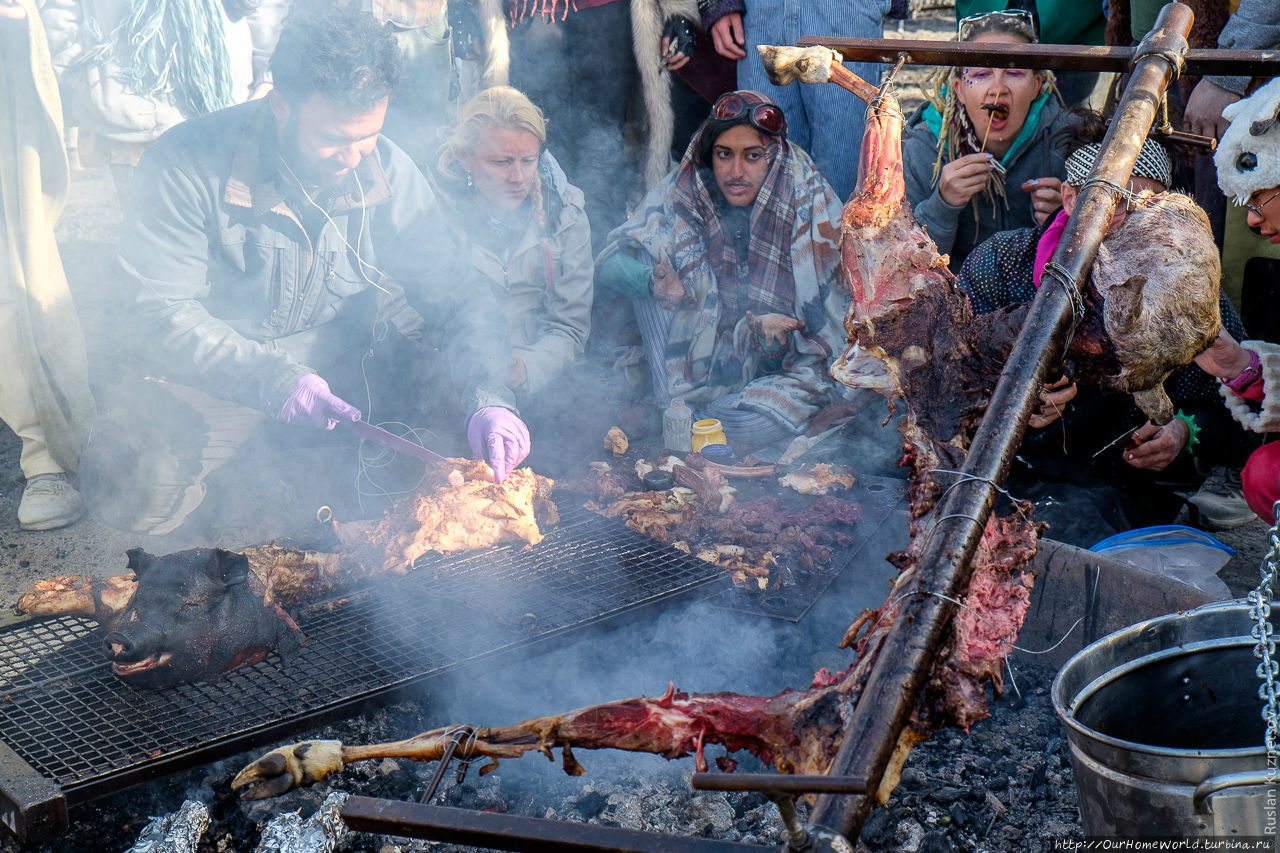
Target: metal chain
1265	650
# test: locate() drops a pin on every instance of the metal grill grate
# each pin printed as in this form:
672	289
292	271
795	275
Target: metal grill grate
64	713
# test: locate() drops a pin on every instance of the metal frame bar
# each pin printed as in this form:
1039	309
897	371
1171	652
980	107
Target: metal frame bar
1262	63
517	832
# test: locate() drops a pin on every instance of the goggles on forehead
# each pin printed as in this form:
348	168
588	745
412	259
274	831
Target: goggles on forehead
1017	18
765	117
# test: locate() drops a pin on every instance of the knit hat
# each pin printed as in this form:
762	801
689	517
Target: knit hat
1153	162
1248	157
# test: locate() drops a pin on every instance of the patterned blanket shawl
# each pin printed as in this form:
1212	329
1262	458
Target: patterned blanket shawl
792	268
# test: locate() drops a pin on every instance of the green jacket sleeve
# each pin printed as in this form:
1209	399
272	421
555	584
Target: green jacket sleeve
624	274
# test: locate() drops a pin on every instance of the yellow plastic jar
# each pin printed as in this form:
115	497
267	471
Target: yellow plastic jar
708	431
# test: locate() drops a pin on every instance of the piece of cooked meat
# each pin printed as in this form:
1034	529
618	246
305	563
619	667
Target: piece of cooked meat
819	479
475	515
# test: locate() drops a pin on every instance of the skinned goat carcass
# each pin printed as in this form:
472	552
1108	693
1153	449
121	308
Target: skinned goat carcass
199	613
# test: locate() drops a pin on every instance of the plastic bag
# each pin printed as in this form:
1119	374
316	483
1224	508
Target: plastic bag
1183	553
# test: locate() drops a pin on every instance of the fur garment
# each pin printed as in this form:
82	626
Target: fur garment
1267	418
497	43
1248	157
648	17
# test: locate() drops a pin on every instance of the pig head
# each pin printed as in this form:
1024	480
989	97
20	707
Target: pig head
193	617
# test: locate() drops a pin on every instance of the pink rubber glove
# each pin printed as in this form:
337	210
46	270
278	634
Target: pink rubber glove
501	437
313	404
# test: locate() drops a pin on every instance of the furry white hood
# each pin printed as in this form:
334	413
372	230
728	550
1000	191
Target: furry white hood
1248	157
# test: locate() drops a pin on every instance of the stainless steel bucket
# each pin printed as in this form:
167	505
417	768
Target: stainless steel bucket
1165	728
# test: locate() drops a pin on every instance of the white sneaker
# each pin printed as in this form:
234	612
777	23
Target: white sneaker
49	502
1220	503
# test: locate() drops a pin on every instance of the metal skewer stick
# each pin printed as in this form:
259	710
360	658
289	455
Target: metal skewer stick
1113	442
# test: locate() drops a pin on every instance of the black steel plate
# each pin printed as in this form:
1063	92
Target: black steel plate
72	721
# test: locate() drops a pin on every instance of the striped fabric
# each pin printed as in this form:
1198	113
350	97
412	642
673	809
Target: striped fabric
743	427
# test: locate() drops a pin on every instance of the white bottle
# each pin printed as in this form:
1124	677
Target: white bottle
677	426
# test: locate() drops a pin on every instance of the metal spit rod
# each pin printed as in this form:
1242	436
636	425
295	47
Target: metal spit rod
516	832
1261	63
780	783
894	683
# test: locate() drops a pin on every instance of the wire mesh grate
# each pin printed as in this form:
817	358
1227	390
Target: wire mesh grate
71	720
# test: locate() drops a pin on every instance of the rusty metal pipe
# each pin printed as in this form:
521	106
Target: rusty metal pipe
780	783
894	683
1260	63
515	832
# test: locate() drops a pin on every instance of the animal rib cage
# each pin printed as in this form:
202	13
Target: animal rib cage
66	719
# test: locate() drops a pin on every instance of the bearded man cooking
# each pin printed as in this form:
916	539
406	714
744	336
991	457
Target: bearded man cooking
261	241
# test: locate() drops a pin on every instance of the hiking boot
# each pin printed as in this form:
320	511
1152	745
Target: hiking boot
49	502
1220	504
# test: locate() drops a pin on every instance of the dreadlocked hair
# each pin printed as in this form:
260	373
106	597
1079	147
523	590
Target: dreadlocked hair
171	48
957	136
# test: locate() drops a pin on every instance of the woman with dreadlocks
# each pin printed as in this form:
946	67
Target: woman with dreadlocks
732	264
978	155
132	70
528	232
1082	437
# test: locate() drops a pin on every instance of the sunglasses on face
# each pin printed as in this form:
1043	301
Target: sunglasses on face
767	118
1016	17
1257	208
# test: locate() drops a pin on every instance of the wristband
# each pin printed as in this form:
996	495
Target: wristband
1193	432
1248	376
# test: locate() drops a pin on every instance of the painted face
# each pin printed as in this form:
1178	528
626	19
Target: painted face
1264	213
997	99
1071	194
740	162
504	166
323	142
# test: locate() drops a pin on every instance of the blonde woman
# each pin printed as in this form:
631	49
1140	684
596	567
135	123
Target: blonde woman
527	230
979	155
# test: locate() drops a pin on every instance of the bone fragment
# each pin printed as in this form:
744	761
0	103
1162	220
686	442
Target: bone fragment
817	64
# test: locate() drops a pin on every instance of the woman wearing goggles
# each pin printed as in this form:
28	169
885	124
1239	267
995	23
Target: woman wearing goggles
979	156
732	265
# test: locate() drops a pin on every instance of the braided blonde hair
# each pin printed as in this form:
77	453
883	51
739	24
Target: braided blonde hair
493	108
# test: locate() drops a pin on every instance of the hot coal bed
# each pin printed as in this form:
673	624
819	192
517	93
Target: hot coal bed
453	633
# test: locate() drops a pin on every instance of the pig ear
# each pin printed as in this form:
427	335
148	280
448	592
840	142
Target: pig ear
233	567
139	560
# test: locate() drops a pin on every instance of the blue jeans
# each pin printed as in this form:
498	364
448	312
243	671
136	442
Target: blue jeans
825	120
